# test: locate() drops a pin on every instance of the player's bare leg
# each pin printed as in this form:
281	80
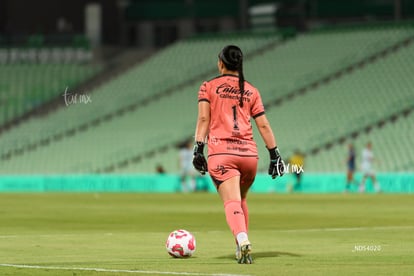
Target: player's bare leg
362	184
377	187
349	181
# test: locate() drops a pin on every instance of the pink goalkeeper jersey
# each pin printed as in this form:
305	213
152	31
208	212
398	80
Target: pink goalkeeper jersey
230	130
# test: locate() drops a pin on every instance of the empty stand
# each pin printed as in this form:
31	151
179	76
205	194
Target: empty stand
103	137
24	87
310	57
155	122
391	147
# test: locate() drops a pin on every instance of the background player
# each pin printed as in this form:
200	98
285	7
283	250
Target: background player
187	173
226	105
367	169
350	163
297	160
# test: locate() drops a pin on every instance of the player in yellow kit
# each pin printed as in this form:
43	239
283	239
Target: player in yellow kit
297	161
226	105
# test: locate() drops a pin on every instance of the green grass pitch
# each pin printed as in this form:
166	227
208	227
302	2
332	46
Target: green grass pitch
124	234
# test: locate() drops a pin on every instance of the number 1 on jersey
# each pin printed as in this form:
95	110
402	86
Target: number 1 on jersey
236	125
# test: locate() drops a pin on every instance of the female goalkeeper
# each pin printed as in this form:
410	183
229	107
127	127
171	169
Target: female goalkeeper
225	106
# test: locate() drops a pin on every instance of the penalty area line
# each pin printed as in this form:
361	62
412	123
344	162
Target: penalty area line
116	270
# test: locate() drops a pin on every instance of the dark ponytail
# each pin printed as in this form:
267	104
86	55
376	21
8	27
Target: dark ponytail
232	58
241	80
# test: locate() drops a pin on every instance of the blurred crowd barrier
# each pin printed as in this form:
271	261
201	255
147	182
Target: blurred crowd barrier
170	183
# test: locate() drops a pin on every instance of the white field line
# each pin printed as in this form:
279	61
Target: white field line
115	270
53	235
217	231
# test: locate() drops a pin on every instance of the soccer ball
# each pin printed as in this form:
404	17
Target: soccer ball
180	244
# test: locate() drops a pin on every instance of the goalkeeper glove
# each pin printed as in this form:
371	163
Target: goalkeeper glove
277	166
199	161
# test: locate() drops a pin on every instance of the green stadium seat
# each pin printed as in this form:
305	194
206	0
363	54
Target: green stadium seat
321	115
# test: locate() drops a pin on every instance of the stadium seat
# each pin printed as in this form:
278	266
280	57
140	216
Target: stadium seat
330	110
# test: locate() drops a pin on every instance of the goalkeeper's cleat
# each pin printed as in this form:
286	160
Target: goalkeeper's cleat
244	256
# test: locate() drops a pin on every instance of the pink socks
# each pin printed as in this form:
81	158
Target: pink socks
236	216
246	213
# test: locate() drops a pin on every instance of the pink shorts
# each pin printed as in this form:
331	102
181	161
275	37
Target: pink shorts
222	167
